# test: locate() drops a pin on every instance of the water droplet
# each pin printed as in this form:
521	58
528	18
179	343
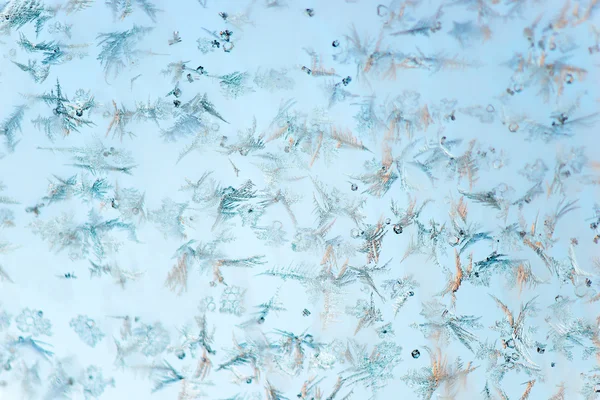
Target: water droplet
569	79
581	290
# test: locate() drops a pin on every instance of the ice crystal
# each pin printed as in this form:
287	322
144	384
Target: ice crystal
97	158
170	218
232	300
441	373
5	320
33	322
206	256
120	275
53	53
130	203
17	13
272	235
191	118
235	84
94	235
445	325
273	80
119	49
366	313
62	189
122	116
401	291
123	8
93	382
11	126
152	339
73	6
372	370
87	330
67	116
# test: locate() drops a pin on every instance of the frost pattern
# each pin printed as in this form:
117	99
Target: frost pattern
254	200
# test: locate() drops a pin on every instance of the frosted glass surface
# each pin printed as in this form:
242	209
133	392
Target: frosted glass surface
317	200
